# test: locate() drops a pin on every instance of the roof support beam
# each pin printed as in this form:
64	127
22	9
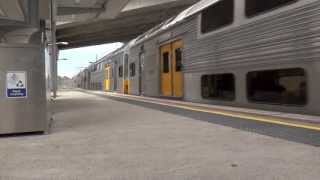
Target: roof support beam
126	21
126	26
78	10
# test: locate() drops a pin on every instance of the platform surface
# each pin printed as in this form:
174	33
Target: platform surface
101	137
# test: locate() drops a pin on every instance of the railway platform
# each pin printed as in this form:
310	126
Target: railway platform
98	135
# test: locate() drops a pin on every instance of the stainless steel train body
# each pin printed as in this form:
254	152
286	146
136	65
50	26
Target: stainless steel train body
96	75
113	81
117	66
254	57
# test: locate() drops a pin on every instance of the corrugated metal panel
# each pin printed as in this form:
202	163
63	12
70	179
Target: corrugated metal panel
97	77
117	58
291	36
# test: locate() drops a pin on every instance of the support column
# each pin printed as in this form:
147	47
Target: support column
54	49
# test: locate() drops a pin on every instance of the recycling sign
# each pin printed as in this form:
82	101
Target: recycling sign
17	84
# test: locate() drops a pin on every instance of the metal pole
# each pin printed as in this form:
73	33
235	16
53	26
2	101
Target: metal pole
54	48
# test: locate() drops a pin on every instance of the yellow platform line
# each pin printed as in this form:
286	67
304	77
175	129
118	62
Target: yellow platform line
230	114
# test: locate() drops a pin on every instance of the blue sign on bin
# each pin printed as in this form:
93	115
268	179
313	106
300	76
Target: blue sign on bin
16	93
16	84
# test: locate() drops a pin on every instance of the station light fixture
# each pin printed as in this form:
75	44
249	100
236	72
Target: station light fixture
59	43
63	59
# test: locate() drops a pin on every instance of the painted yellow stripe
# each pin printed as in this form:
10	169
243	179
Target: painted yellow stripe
229	114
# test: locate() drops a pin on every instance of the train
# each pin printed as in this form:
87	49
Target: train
260	54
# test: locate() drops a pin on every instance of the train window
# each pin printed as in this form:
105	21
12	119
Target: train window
178	54
255	7
166	62
285	86
219	86
217	15
126	63
121	71
107	75
132	69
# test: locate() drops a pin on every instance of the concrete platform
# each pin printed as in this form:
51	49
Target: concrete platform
101	138
309	119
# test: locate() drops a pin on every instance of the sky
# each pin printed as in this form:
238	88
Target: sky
80	57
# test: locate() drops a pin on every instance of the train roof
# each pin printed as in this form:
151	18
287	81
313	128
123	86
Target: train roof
191	11
107	56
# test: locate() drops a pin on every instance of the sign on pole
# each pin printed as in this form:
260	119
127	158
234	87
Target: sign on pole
17	84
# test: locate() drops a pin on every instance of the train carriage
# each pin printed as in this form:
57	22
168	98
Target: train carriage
118	64
134	75
111	63
246	53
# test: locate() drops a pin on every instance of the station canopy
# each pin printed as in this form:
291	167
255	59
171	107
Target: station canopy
91	22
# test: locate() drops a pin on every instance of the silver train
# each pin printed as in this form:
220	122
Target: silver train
262	54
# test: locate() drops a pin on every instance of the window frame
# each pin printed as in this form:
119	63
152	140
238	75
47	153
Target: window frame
216	29
126	66
168	63
176	60
266	11
132	68
120	71
111	72
220	98
305	72
107	76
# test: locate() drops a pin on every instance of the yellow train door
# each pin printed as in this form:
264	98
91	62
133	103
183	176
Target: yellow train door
166	73
171	69
177	68
107	78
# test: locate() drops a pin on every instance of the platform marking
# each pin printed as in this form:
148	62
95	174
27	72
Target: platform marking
228	114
